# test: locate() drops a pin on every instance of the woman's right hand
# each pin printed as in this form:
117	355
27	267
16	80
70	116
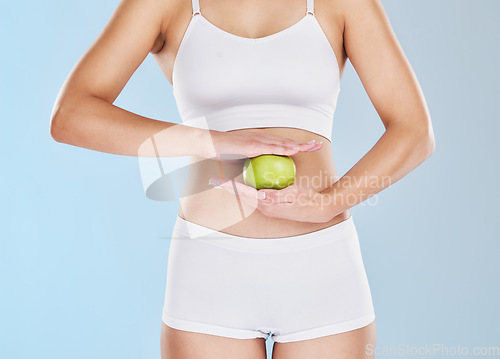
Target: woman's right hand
254	143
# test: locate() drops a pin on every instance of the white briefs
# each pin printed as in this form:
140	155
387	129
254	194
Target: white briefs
292	288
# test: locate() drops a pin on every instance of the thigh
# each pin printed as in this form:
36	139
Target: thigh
180	344
355	344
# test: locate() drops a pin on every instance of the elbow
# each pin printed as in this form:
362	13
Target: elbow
432	145
58	123
426	143
54	129
55	123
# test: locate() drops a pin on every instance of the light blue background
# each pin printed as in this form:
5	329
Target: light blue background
82	261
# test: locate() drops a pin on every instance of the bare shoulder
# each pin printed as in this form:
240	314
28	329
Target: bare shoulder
346	21
128	37
380	62
366	28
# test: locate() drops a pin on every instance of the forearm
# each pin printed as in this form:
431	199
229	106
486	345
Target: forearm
398	151
96	124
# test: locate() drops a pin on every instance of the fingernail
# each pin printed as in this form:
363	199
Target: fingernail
260	195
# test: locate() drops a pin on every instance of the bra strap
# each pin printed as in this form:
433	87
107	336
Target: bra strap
196	7
310	6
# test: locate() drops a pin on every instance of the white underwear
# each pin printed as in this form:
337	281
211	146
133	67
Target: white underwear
292	288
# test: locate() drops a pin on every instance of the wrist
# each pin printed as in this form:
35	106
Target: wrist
204	142
333	203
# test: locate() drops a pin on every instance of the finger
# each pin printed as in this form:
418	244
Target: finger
277	210
310	146
246	193
288	142
304	148
267	208
278	149
294	144
285	140
285	195
316	147
307	147
283	149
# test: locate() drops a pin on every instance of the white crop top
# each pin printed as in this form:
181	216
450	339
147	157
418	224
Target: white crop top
225	82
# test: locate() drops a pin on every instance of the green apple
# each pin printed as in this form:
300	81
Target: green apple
269	171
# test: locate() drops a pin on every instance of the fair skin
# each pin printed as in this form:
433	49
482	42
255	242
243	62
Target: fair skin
84	116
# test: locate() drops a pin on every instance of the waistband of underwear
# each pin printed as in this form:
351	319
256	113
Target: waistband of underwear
186	230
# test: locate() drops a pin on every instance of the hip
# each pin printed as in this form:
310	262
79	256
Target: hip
284	285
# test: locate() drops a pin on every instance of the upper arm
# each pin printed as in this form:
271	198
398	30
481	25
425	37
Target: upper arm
384	70
123	44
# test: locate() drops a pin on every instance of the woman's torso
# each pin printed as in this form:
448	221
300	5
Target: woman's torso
219	209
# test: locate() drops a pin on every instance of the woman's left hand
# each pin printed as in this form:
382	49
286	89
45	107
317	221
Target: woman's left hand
295	202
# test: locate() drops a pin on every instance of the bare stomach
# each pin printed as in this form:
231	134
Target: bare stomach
223	211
